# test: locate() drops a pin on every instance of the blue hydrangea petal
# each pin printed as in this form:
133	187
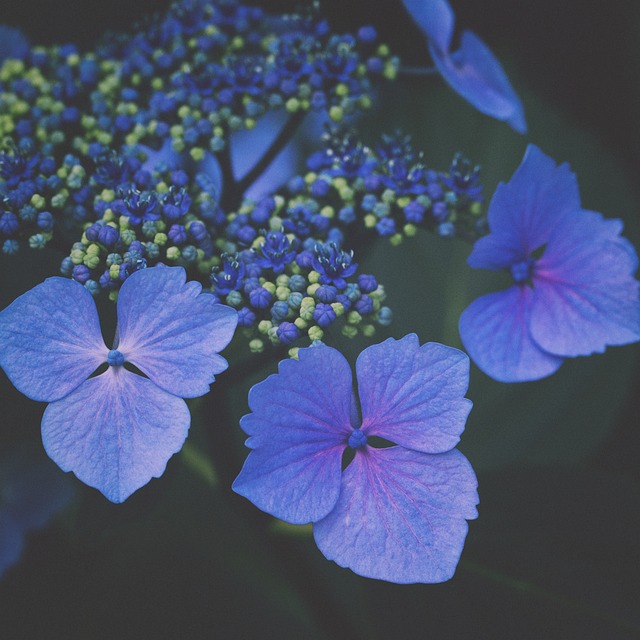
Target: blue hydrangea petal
495	332
11	541
249	145
413	395
585	295
13	43
298	430
401	515
477	75
51	339
115	432
173	332
436	20
528	208
497	250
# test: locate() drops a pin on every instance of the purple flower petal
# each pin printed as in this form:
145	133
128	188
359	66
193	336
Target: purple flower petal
11	541
51	339
477	75
298	430
526	210
498	250
401	515
413	395
115	432
435	19
585	295
172	332
249	145
495	333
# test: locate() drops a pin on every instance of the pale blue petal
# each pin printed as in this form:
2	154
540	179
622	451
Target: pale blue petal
165	156
211	168
299	428
33	489
413	395
51	340
115	432
585	295
498	250
13	43
173	332
401	515
477	75
436	20
528	208
11	541
495	332
249	145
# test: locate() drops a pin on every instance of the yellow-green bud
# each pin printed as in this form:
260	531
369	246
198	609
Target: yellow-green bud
338	308
173	253
293	352
37	201
315	333
336	113
256	345
264	326
349	331
368	330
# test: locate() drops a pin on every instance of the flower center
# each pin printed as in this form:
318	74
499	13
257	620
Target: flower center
115	358
357	439
521	271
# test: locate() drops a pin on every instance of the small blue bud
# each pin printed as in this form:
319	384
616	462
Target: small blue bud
279	311
115	358
385	316
260	298
367	283
246	317
287	332
357	439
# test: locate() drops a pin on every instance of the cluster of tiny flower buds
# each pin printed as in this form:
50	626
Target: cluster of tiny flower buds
389	190
141	218
188	80
285	289
113	145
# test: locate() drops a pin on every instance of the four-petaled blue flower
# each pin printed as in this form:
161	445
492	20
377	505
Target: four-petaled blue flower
396	513
116	430
472	71
574	292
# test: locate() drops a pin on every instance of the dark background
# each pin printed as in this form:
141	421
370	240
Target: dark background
555	552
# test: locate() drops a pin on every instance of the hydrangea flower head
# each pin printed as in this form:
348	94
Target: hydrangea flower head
396	513
573	290
472	71
116	430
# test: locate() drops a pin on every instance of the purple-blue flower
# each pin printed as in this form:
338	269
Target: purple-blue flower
396	513
116	430
472	71
573	290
